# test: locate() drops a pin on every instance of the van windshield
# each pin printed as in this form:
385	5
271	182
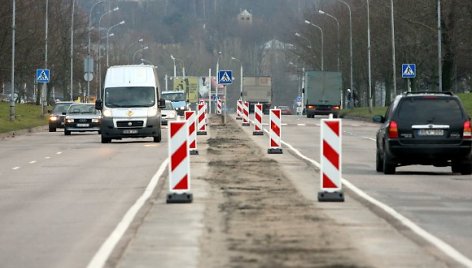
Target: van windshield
116	97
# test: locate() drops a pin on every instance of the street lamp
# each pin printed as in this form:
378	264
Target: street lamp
240	82
337	24
108	34
368	57
350	39
99	53
12	96
72	52
306	39
141	49
392	22
175	68
322	42
88	46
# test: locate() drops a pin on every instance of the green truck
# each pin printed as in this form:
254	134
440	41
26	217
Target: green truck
322	93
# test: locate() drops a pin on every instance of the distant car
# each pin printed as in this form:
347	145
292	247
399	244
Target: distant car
168	113
82	117
57	115
178	100
285	110
425	129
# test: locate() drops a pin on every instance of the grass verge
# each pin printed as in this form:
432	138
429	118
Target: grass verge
27	116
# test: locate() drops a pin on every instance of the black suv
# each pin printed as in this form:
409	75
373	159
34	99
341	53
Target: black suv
426	129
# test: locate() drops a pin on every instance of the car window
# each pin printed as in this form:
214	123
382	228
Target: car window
61	108
169	106
82	109
429	110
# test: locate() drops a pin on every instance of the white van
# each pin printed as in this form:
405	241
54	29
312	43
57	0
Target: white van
131	103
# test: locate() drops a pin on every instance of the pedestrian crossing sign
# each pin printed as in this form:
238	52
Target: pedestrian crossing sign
225	77
42	75
408	70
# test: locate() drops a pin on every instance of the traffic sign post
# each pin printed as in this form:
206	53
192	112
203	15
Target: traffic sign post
409	72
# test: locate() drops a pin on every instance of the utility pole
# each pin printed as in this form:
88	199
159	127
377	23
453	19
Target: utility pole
12	96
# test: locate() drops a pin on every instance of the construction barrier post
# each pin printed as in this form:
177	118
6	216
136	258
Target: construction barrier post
192	132
330	171
179	164
258	120
246	114
202	123
275	144
239	109
219	106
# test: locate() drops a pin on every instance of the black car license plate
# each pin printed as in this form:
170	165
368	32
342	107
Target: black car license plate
130	131
431	132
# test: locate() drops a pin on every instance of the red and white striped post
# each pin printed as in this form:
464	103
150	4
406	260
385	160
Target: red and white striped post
239	109
192	131
201	119
330	171
219	106
258	120
246	114
179	164
275	140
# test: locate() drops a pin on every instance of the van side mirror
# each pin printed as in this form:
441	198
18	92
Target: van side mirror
162	103
99	105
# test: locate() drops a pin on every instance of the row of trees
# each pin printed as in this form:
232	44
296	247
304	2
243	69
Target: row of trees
415	42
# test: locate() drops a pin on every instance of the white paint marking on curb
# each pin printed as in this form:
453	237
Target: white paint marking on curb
107	247
32	162
441	245
15	168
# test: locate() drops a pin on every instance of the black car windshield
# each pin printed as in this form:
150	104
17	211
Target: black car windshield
61	108
177	96
429	110
82	109
116	97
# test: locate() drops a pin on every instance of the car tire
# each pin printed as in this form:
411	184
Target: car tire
105	139
456	167
52	129
158	137
466	168
388	165
378	162
66	132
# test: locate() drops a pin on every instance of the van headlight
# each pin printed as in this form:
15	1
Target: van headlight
152	112
106	113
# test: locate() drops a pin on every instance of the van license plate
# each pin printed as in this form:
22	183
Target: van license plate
431	132
130	131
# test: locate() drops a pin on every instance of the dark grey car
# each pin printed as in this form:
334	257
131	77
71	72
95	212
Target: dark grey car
424	129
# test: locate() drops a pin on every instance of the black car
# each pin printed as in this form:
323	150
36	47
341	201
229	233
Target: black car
425	129
57	115
82	117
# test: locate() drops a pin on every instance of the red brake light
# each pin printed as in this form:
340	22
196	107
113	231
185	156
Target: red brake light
393	130
467	130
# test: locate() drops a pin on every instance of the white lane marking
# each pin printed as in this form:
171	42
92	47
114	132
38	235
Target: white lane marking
301	125
32	162
110	243
441	245
59	153
47	157
15	168
369	138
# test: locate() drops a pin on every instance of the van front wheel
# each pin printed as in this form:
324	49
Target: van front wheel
105	140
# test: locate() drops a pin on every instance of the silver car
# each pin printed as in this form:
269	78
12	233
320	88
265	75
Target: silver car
81	117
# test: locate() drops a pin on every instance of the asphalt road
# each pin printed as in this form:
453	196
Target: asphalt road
61	196
432	197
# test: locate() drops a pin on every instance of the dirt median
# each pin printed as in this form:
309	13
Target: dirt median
255	217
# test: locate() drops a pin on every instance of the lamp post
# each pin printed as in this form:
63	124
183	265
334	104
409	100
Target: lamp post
141	49
337	24
322	42
99	53
108	34
241	79
12	96
72	52
175	67
306	39
88	46
350	39
439	48
394	72
368	57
